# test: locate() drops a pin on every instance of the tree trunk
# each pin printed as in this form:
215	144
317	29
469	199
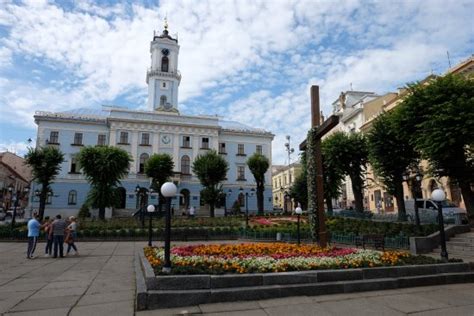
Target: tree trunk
402	214
102	213
329	206
211	208
468	197
260	189
358	194
42	202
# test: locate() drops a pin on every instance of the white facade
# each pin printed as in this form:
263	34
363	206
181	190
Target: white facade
161	129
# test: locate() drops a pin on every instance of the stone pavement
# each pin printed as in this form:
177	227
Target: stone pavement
101	282
452	300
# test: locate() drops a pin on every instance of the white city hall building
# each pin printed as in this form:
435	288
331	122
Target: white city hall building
161	129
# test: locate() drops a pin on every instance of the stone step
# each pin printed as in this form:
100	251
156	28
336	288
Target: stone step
462	248
465	240
174	298
452	254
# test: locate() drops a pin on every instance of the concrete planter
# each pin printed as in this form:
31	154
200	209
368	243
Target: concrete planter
155	292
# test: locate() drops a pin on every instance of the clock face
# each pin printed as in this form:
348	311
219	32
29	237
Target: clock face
165	51
165	139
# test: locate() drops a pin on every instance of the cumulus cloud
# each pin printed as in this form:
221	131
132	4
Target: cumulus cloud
251	61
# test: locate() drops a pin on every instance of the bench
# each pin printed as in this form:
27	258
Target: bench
377	241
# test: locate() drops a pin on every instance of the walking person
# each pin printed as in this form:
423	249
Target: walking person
48	230
33	233
59	228
191	211
72	235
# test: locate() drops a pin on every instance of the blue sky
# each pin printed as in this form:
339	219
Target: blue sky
250	61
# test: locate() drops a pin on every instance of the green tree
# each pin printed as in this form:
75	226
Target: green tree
391	155
103	167
333	175
299	189
45	163
438	118
211	169
349	153
258	165
159	168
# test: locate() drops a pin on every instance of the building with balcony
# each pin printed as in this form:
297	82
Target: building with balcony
160	129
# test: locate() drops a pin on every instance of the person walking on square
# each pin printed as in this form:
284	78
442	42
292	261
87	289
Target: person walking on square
72	235
191	212
33	233
48	230
59	227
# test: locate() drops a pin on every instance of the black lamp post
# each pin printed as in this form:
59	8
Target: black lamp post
139	206
439	196
13	198
298	212
150	209
168	190
247	205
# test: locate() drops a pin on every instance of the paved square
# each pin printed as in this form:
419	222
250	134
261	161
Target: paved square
102	282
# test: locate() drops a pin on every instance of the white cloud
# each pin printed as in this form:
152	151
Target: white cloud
18	148
264	54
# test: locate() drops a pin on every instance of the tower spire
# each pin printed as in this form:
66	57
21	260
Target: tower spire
166	22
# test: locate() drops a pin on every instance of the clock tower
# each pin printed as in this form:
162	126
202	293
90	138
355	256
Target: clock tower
163	77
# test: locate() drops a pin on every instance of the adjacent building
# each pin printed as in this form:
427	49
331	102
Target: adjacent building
376	195
15	177
160	129
283	178
350	108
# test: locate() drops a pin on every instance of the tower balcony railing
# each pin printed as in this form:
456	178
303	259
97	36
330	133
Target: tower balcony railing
156	72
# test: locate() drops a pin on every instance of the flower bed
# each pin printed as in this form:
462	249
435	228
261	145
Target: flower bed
274	257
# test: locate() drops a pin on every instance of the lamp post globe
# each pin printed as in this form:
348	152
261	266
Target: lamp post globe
150	209
168	189
438	195
298	212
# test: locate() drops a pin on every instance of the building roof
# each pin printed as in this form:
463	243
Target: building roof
239	127
102	114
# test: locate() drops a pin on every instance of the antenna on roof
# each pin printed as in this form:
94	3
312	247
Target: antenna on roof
449	59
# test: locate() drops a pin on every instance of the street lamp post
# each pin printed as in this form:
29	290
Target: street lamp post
247	205
298	212
438	196
168	190
150	209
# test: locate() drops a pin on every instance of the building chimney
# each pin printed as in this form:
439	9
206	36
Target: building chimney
342	100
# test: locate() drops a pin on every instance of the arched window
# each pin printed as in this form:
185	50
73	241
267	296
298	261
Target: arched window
163	100
164	64
185	165
72	197
143	159
241	199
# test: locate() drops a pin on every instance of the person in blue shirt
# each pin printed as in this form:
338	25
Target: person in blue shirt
33	233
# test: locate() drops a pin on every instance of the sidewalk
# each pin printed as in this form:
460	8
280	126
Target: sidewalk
102	282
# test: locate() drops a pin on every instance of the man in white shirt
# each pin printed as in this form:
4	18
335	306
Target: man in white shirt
33	233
